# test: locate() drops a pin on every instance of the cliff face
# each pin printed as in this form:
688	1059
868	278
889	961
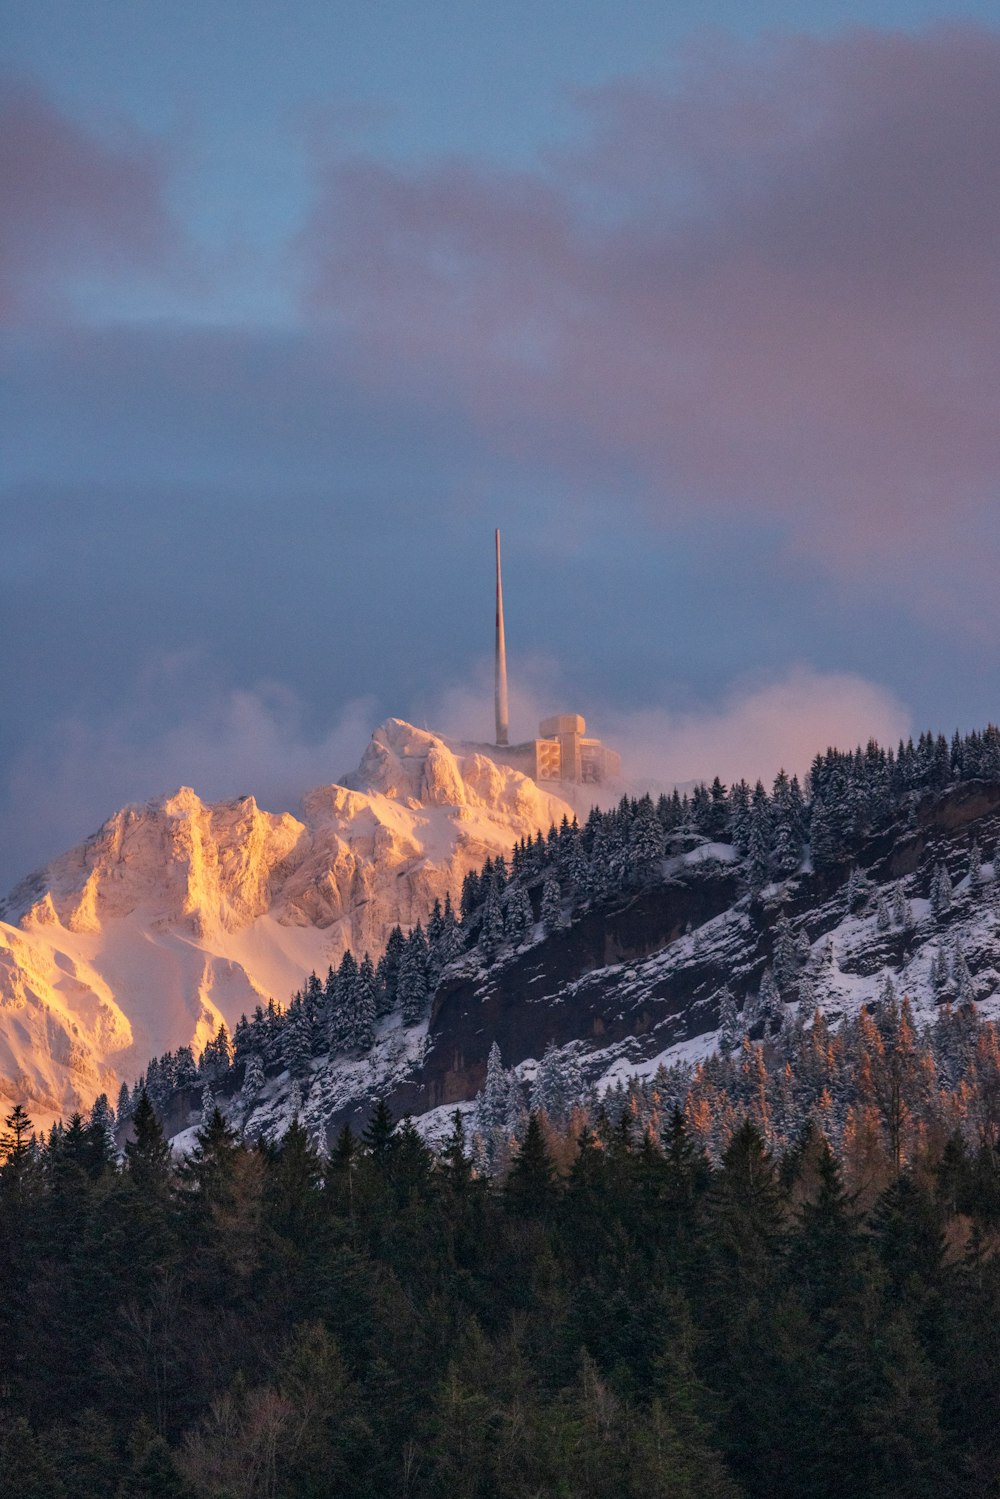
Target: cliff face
178	915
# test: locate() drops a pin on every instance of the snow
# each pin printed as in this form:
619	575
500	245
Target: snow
178	915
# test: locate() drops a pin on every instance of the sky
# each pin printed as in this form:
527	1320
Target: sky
298	301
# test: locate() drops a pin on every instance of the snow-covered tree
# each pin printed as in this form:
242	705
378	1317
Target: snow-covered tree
413	992
296	1043
857	890
253	1078
787	960
902	914
975	865
520	918
759	839
551	909
730	1029
491	927
101	1126
388	973
646	840
940	974
941	891
491	1102
124	1109
965	989
365	998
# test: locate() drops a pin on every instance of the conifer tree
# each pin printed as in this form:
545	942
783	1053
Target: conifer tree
253	1078
730	1030
147	1154
531	1182
412	989
491	928
902	915
365	997
551	910
388	972
941	893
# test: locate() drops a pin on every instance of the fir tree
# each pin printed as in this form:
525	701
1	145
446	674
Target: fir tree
491	928
365	1005
551	910
730	1030
413	992
941	893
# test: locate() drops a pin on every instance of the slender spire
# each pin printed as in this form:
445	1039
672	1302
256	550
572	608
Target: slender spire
503	724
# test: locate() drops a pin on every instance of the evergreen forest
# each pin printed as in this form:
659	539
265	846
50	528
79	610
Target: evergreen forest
617	1314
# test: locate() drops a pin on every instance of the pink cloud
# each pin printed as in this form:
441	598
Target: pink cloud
72	203
770	287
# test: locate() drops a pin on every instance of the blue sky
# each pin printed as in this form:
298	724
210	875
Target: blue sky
298	301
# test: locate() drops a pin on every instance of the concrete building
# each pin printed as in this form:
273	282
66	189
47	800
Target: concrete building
562	752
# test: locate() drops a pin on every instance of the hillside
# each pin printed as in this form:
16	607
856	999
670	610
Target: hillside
641	943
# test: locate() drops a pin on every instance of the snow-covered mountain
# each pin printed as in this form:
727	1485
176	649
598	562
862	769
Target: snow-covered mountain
640	976
177	914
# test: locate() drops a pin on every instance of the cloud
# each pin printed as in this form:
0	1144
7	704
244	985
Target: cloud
765	286
245	741
756	728
73	203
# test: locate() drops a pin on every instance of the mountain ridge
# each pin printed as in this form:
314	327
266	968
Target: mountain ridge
177	914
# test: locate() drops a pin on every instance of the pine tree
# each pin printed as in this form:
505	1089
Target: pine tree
646	840
902	915
730	1030
491	928
941	893
296	1044
413	995
551	911
769	1008
965	989
761	832
787	960
857	889
520	918
147	1154
101	1136
365	1005
975	865
253	1078
14	1140
124	1110
940	976
491	1101
531	1183
823	842
452	936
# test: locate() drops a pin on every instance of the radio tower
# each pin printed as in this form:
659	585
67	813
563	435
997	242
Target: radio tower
503	723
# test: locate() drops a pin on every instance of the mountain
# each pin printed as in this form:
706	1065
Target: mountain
177	915
653	937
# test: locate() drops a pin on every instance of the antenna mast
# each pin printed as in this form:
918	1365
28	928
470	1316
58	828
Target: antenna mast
503	723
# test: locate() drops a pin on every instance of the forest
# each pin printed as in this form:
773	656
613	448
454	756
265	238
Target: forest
616	1313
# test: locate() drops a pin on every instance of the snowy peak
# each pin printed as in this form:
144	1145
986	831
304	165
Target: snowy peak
417	767
176	857
178	914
